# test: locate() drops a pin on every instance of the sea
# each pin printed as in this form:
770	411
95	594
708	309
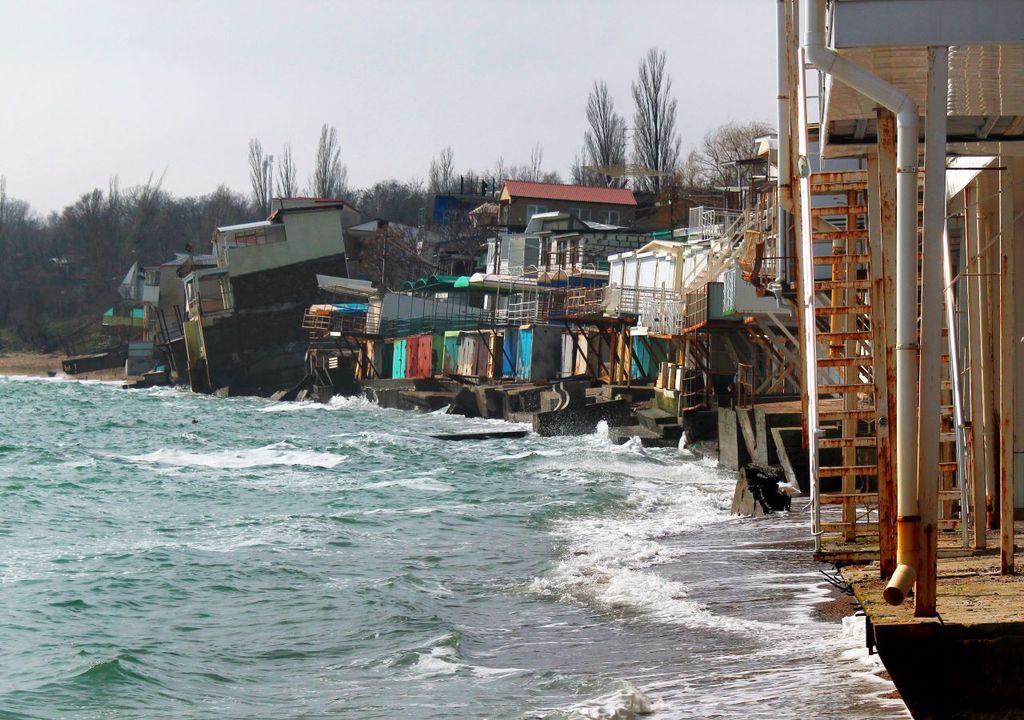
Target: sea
170	555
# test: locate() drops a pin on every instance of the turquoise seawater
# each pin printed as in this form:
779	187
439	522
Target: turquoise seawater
172	555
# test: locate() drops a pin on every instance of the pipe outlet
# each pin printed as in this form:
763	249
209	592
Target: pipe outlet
907	558
900	584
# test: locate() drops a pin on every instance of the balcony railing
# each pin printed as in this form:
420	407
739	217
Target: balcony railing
708	223
585	301
320	324
703	304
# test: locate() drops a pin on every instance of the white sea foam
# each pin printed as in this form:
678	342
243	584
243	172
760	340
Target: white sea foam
269	455
627	703
530	454
442	657
612	560
415	483
62	378
338	402
168	391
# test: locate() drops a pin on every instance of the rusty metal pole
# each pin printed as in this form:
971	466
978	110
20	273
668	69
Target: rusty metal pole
887	231
1008	371
880	351
985	267
959	416
928	422
975	378
1017	268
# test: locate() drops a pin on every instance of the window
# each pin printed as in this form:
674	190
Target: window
532	210
613	217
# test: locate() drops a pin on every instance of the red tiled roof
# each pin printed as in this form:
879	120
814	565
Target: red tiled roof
570	193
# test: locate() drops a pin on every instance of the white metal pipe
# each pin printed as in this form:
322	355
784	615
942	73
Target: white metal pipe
805	251
785	52
897	101
783	203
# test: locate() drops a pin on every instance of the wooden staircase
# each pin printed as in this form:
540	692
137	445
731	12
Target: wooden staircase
855	377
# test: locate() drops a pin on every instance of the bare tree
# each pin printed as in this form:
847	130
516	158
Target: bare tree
330	177
715	162
259	176
534	173
500	171
655	142
442	172
287	184
604	143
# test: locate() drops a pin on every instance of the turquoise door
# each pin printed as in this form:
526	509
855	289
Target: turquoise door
398	360
640	367
524	366
451	352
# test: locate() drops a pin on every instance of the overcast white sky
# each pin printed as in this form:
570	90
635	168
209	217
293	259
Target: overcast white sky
94	89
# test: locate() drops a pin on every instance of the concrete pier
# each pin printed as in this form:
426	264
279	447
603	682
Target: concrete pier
965	662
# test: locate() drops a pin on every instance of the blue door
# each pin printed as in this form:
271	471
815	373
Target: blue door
524	366
510	347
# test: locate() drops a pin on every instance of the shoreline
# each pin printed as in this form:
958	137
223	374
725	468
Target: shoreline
40	365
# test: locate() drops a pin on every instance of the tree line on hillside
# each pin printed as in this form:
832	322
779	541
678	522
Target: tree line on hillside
61	270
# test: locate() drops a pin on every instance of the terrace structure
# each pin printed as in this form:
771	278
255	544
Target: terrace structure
910	347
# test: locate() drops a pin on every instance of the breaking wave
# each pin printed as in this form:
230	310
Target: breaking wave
269	455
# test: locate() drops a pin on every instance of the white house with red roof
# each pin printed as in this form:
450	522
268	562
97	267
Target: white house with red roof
520	200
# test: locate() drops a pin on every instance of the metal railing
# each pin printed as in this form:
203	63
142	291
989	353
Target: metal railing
323	324
697	306
709	223
585	301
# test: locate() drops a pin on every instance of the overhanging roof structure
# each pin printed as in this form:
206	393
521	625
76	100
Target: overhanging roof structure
891	39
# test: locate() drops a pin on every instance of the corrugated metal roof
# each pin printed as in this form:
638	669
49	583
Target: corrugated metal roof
570	193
